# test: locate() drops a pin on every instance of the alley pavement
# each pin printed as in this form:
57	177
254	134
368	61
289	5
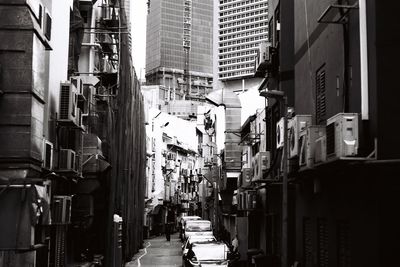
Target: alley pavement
158	251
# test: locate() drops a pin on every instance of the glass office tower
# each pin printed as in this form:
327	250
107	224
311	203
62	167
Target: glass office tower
179	46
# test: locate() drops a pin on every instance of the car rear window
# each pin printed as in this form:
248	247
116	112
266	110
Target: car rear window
198	226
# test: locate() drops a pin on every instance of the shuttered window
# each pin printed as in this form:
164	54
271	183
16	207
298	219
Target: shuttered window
343	247
320	112
322	243
307	242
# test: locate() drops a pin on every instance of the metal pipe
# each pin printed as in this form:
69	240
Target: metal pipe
363	60
285	188
383	161
92	44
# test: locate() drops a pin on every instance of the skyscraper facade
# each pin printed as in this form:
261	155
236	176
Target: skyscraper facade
179	46
242	26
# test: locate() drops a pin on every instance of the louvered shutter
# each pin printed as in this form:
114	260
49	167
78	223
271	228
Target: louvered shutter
320	97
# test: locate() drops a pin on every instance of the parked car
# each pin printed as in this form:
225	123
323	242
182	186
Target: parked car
200	227
182	223
207	254
196	239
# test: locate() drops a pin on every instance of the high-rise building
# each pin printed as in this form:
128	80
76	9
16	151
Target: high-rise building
179	46
242	26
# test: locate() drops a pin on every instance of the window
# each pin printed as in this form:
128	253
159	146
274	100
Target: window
307	242
343	247
320	100
47	28
322	243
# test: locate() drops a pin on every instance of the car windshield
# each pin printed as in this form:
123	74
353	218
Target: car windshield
201	240
210	251
185	220
197	226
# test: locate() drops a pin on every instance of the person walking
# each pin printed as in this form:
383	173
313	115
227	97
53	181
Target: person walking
169	220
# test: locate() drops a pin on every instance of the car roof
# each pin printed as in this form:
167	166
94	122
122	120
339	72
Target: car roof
198	221
213	243
185	218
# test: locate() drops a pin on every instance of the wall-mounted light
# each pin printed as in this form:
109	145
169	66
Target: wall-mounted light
164	125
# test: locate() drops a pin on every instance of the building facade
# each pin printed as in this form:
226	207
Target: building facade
57	184
242	26
327	59
179	46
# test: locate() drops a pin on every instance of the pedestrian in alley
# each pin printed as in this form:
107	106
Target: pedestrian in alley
169	221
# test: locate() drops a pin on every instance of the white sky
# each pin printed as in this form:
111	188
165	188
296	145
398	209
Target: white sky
138	20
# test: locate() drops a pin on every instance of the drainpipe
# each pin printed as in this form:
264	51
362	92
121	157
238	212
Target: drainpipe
363	59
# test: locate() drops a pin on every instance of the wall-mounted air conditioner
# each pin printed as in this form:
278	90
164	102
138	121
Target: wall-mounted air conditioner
245	177
153	144
251	199
265	53
295	126
320	146
208	161
170	165
171	156
79	118
280	133
241	200
67	160
260	164
47	155
77	83
342	134
68	111
308	140
61	210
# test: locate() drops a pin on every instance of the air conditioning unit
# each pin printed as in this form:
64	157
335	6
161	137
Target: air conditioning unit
171	156
153	144
67	160
61	210
261	164
245	158
280	133
265	52
342	135
241	200
245	177
68	111
170	165
79	118
47	155
106	12
77	83
208	161
320	154
295	126
251	199
308	140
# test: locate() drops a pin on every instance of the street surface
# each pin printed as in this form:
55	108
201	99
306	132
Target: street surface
158	251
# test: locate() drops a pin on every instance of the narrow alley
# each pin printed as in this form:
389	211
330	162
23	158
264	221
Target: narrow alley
263	131
159	252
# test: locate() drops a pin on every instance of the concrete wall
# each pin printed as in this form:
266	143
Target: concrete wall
24	70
